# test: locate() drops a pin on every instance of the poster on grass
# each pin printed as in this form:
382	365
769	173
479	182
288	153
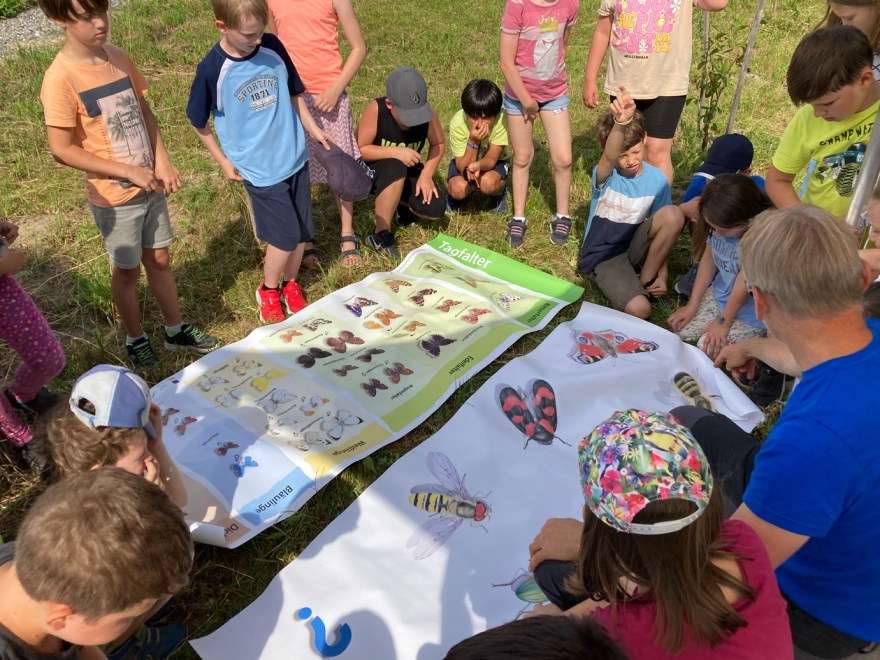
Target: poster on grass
436	549
258	426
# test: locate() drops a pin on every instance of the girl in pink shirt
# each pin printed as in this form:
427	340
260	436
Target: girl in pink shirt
309	31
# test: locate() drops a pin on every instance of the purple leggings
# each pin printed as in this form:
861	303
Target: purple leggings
24	328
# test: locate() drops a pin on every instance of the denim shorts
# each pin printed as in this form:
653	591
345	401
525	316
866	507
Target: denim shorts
140	223
514	107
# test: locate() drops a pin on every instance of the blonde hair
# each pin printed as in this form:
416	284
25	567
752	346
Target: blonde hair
874	35
805	260
232	12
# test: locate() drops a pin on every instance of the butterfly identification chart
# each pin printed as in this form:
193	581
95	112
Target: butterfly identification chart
258	426
436	549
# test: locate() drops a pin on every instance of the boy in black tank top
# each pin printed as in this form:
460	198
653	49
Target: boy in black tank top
391	135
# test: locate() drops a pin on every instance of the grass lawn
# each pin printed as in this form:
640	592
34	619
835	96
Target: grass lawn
218	264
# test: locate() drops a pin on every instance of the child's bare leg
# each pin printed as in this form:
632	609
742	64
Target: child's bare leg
457	187
386	205
658	152
666	225
123	291
491	183
346	218
276	264
557	126
160	279
639	307
520	133
294	261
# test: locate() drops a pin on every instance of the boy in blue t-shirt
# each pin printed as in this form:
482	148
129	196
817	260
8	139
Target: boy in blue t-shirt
242	82
630	226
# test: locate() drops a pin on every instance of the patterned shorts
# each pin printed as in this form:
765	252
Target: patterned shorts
338	124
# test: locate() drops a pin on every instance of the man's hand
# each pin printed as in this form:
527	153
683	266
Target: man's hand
559	538
735	358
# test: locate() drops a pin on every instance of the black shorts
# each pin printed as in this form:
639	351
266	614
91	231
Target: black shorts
661	115
283	211
390	170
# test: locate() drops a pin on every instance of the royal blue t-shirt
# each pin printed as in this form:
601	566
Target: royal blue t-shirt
250	99
700	179
818	474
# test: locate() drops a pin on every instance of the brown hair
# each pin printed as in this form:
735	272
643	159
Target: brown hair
633	133
728	200
825	61
62	10
102	542
232	12
72	447
805	260
676	571
831	18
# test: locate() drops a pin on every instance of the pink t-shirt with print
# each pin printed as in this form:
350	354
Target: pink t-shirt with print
540	50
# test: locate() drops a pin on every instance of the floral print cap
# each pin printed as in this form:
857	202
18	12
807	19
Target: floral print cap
635	458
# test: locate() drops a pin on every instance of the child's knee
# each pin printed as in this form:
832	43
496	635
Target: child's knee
669	218
523	157
457	188
126	276
639	307
561	161
156	260
491	183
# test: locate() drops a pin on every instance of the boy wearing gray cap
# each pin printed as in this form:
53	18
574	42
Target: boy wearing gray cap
391	135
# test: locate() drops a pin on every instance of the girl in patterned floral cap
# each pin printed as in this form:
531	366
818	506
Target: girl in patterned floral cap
658	565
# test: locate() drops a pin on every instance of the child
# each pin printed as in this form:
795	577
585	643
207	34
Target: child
831	72
111	420
651	57
861	14
478	137
391	135
309	32
244	82
25	329
658	565
621	236
720	311
534	37
94	552
98	121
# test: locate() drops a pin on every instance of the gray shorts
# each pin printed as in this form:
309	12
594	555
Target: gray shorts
618	276
128	228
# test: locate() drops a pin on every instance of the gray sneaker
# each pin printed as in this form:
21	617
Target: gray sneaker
383	242
685	286
141	354
191	340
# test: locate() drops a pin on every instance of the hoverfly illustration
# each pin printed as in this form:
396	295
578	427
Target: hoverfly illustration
687	387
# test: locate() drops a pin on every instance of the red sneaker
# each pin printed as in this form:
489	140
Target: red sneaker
269	301
293	298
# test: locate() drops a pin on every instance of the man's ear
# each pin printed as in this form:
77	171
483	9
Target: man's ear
57	615
867	275
760	299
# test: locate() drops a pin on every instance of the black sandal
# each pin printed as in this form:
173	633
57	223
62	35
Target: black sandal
310	252
353	252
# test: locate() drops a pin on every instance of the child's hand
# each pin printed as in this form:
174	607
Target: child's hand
681	317
168	175
229	170
426	189
543	609
11	261
530	109
8	231
479	131
408	157
156	421
144	178
473	172
591	94
324	138
623	107
151	471
326	101
715	339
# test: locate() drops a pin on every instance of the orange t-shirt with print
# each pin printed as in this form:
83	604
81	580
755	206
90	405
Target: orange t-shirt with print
101	103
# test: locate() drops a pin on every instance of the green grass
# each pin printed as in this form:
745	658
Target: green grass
10	8
217	262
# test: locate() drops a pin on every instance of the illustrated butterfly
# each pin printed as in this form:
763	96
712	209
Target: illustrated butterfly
357	305
338	344
311	439
261	383
288	335
277	397
419	298
412	325
395	371
335	426
475	314
223	447
448	304
207	384
231	398
308	360
434	266
395	285
504	300
276	426
242	369
368	356
594	346
432	344
168	412
344	369
470	281
313	325
314	403
180	429
537	423
373	386
384	318
242	463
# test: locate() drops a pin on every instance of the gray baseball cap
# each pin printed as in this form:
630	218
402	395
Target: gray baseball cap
408	93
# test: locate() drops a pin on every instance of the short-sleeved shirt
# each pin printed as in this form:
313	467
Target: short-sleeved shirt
459	132
309	31
725	254
540	49
765	635
650	47
101	104
250	99
616	211
14	648
817	475
835	147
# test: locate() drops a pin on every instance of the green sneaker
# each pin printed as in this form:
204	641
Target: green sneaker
141	354
191	340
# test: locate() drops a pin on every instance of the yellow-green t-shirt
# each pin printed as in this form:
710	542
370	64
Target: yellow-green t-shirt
459	130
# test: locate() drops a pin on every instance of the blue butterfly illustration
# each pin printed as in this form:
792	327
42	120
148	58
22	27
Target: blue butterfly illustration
241	463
